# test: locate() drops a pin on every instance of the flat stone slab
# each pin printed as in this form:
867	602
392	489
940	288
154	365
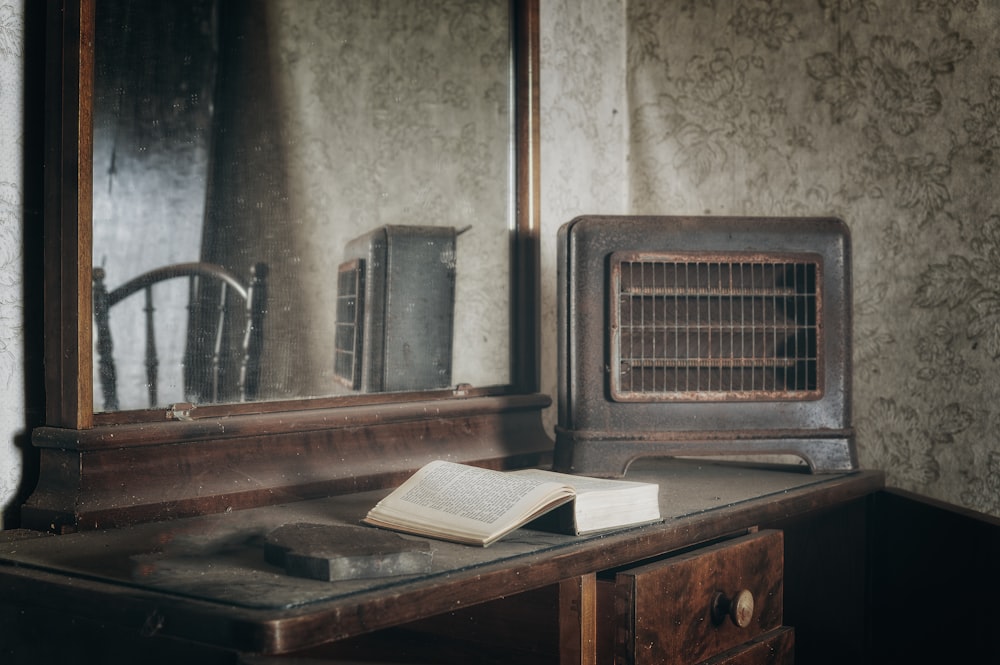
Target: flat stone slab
341	552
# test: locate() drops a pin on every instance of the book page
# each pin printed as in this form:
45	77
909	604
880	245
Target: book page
459	490
603	503
581	484
445	498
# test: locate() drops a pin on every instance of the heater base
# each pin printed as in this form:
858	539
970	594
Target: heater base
608	456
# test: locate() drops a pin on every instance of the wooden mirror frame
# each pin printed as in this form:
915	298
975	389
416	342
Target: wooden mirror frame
114	469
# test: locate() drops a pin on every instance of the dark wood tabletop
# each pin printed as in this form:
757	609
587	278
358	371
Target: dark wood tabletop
205	579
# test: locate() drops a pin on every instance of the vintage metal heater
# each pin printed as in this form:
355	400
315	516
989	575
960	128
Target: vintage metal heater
703	336
396	309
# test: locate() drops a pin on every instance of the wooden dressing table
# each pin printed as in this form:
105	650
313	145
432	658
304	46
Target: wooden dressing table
532	597
866	575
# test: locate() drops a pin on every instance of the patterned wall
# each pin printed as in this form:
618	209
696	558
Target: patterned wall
12	416
882	113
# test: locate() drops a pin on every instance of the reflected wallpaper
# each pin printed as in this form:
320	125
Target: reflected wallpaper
291	127
884	113
401	133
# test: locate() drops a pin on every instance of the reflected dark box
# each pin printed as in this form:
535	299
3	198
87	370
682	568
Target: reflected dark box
395	309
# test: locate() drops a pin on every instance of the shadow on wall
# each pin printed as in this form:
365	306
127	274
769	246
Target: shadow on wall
31	327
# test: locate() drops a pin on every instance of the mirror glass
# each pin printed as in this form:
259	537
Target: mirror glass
350	146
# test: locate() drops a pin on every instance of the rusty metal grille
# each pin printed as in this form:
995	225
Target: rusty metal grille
349	335
716	327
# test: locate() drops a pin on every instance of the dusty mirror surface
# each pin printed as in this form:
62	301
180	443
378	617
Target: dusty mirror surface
309	135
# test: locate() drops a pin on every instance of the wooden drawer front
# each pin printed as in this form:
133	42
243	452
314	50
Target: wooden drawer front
774	648
664	610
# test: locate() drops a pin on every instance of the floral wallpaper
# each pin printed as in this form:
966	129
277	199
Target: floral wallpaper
882	113
12	416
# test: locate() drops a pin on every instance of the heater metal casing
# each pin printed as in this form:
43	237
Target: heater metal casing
703	336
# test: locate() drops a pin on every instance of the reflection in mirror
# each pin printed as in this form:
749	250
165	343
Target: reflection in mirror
397	292
285	133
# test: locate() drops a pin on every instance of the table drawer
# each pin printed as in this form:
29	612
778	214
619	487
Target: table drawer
694	606
773	648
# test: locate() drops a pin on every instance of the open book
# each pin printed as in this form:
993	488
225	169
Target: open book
467	504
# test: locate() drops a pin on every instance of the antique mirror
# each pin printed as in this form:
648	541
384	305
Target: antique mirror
419	115
302	136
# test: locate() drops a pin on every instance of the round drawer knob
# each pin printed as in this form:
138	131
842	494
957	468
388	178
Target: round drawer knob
739	608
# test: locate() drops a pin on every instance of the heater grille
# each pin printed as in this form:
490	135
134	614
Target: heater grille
715	327
349	335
